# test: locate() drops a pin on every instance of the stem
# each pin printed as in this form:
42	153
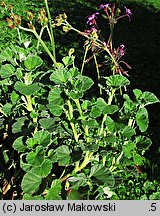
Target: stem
51	30
81	114
95	59
41	41
29	103
78	168
1	111
105	115
97	42
114	164
96	63
111	35
85	54
40	35
130	122
86	160
78	106
19	35
70	116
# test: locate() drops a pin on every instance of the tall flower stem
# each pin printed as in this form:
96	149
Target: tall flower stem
19	34
41	41
85	54
105	115
40	35
98	73
97	42
51	30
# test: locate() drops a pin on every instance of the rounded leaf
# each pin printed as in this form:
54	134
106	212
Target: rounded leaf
31	182
32	62
117	81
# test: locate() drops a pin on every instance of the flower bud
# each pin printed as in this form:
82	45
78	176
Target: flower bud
30	15
10	7
3	4
10	23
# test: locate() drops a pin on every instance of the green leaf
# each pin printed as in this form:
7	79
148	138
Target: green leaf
95	112
20	122
105	108
31	182
149	98
110	138
55	109
73	72
32	62
26	89
14	97
112	125
6	70
143	143
128	149
18	145
31	142
7	108
147	186
155	196
78	181
48	123
54	191
110	109
102	174
25	166
137	93
63	155
85	104
138	160
101	103
43	138
129	107
68	60
36	158
59	76
29	197
128	132
86	83
74	195
117	81
6	55
56	102
44	169
142	119
91	123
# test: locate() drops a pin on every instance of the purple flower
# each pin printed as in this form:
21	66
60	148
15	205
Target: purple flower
122	52
89	31
91	19
102	6
128	12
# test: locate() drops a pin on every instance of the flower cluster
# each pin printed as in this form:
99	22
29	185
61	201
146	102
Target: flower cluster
113	14
14	21
3	4
42	18
118	54
30	15
61	18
